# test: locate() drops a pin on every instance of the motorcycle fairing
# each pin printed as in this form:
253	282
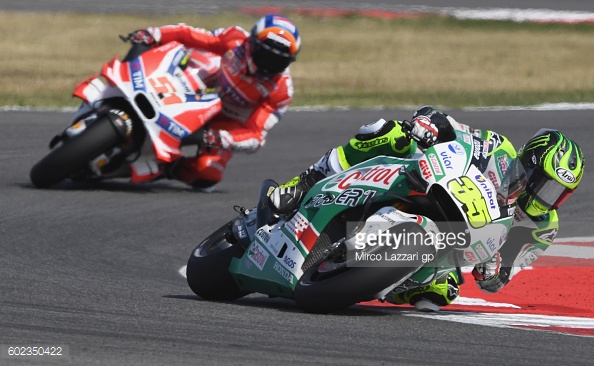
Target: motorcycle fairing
161	94
448	165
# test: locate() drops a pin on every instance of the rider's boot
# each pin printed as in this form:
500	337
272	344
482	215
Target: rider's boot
288	196
173	170
441	292
183	170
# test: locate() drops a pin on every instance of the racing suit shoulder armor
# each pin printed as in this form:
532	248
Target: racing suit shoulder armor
231	33
379	138
375	129
498	142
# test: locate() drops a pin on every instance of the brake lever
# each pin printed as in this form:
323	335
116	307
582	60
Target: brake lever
407	127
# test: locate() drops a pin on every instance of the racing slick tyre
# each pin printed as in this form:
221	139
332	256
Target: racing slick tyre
73	153
330	285
207	272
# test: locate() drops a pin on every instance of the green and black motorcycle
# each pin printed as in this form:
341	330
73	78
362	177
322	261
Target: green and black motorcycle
384	223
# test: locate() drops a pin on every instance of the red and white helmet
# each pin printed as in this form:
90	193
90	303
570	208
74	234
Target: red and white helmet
274	44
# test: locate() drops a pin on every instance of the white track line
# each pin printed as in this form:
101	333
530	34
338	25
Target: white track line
508	320
570	251
470	301
575	239
519	15
539	107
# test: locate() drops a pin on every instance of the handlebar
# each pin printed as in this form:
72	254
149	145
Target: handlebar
407	126
136	49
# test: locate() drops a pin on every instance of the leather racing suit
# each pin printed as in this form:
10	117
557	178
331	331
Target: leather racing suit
252	105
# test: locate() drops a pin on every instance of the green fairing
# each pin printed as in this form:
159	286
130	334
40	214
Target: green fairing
399	187
268	280
370	178
331	186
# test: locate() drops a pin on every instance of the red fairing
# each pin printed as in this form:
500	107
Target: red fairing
106	70
195	119
81	86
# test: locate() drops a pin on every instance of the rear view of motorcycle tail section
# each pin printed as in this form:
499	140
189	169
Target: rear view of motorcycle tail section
208	271
360	269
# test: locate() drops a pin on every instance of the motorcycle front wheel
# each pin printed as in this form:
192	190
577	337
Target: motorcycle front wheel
73	153
207	272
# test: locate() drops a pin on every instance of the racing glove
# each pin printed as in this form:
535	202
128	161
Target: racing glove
210	139
490	277
423	131
287	197
430	126
150	36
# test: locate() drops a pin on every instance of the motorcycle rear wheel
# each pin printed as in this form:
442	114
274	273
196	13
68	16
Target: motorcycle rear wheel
72	155
207	271
323	291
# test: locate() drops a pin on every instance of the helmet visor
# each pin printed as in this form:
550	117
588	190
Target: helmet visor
548	192
269	60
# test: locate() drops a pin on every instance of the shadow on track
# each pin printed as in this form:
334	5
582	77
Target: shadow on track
121	186
287	305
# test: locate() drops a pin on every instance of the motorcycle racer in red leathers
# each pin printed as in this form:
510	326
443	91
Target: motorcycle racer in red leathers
549	168
253	82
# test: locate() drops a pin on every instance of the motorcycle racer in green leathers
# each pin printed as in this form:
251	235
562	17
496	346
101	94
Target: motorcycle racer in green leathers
552	165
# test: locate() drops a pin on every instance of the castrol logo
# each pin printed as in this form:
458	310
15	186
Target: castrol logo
377	176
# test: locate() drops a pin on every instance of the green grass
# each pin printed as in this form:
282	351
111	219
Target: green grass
352	61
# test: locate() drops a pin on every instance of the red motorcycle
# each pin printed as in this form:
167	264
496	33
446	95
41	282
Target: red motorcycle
135	116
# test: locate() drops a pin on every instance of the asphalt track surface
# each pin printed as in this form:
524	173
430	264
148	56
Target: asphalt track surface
95	266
